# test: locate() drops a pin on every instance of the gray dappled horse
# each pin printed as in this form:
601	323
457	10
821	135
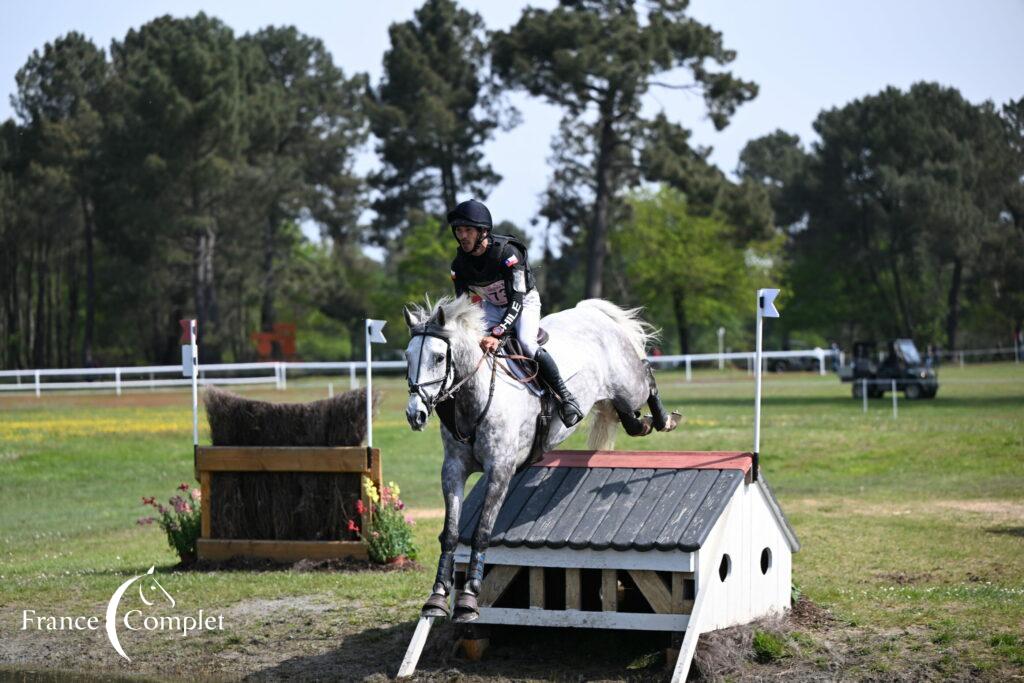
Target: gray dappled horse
490	419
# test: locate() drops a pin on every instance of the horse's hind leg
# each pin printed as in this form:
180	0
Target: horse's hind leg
453	482
498	479
662	419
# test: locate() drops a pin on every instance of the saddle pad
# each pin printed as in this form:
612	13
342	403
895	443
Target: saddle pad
568	365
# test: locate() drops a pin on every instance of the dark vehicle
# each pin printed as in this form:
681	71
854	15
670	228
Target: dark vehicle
902	363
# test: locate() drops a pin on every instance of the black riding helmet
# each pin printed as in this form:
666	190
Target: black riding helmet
474	214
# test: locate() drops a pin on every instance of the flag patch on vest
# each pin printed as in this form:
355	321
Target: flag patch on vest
511	261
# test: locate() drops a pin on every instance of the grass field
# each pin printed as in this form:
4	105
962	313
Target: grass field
912	533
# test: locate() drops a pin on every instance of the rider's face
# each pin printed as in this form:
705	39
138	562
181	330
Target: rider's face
466	235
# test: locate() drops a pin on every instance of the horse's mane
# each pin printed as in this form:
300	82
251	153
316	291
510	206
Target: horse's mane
461	315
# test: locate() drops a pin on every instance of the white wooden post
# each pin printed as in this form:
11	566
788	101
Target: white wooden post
864	392
721	348
821	362
117	381
352	384
412	654
39	388
895	411
689	370
330	390
765	308
961	360
373	334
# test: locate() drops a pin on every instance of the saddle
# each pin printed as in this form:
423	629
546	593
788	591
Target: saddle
520	370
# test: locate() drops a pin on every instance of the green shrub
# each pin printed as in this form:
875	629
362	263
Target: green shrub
389	533
769	647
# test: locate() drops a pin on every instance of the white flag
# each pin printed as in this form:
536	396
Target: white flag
766	302
374	330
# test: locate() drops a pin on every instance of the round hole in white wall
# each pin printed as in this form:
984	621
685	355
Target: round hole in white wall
766	560
725	568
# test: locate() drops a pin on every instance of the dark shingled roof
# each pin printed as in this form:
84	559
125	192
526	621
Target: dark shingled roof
587	499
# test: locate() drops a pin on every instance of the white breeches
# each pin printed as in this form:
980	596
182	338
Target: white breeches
527	325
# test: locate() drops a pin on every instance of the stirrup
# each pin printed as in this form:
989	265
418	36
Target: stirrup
569	412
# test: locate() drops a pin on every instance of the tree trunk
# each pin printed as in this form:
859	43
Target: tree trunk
267	304
90	287
683	329
39	340
597	247
449	193
953	306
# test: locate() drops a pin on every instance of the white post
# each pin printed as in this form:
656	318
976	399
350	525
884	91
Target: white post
39	388
721	348
895	410
284	376
689	370
330	390
864	392
117	381
194	344
961	360
152	377
369	390
821	362
765	307
352	376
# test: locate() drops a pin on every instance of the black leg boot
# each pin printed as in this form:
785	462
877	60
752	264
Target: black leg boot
569	409
663	420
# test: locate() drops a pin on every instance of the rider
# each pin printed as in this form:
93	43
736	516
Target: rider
494	269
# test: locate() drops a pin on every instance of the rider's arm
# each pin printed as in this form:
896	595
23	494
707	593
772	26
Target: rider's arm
514	268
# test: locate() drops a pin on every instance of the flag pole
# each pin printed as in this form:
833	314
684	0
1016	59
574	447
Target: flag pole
369	388
765	308
194	349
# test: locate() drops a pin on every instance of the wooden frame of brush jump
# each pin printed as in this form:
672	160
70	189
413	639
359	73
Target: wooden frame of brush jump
355	460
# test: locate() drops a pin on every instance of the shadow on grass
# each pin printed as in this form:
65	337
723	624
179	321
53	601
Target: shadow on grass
514	653
845	402
1017	531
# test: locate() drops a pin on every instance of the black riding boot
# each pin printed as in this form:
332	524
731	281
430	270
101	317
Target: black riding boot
568	409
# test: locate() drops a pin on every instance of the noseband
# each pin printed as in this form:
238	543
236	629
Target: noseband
441	400
431	329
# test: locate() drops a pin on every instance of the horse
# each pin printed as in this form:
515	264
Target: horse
492	426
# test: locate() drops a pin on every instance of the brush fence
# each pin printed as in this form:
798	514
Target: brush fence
213	461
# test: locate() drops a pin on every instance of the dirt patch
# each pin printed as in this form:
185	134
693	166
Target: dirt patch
426	513
317	638
996	510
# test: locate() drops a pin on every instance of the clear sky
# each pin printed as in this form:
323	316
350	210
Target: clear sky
806	55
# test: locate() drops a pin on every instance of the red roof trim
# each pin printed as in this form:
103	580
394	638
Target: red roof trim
683	460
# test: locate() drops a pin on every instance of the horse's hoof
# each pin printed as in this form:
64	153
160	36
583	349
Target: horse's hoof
672	422
466	609
436	606
647	425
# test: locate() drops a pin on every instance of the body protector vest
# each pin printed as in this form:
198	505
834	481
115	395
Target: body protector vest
501	276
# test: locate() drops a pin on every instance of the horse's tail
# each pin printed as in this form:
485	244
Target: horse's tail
640	333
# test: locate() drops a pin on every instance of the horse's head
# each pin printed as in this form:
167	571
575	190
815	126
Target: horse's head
430	369
440	336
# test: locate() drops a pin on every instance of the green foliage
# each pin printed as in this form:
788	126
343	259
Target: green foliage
597	59
432	112
688	269
769	647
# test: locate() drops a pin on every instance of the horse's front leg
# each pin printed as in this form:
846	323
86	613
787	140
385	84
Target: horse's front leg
453	482
497	481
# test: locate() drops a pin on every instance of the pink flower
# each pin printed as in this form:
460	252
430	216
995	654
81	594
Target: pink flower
197	494
376	534
352	526
360	508
161	509
183	486
409	520
399	505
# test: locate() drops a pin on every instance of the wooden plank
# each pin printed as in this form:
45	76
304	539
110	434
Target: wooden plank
718	460
554	508
641	512
573	587
711	508
583	619
281	459
496	582
668	539
376	467
590	488
546	485
584	559
680	603
204	504
615	484
650	584
609	590
415	649
662	510
536	587
602	536
282	551
705	594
